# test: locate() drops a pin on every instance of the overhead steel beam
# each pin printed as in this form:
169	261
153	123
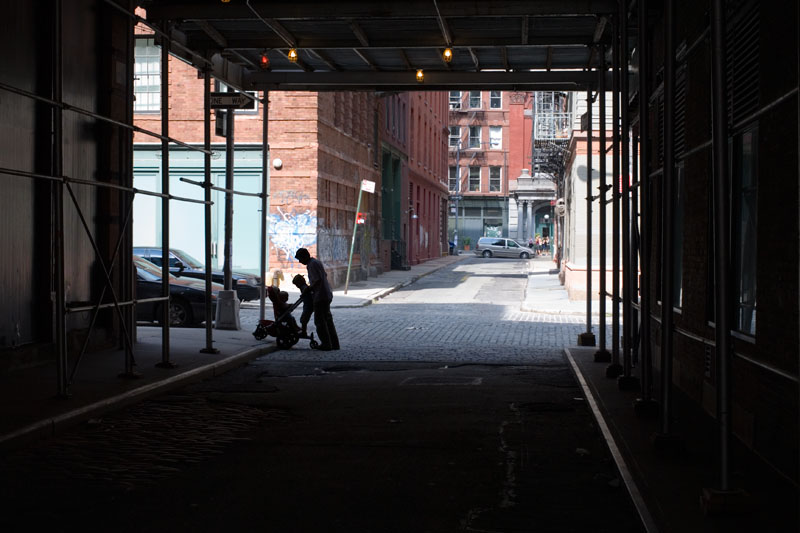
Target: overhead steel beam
358	31
404	57
474	59
364	58
448	37
524	37
504	57
550	58
200	42
190	9
320	81
322	56
212	32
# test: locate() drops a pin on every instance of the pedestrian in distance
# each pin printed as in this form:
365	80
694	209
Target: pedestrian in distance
530	242
308	302
322	297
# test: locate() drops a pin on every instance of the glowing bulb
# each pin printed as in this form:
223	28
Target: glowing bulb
292	55
263	61
420	76
447	55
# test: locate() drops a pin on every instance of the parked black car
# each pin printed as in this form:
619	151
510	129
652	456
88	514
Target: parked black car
182	265
187	296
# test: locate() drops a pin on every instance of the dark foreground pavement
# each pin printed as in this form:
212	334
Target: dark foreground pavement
288	446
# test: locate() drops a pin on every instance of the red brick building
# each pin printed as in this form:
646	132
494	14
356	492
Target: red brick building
325	141
413	130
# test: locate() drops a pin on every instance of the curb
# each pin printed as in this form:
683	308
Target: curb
50	427
625	473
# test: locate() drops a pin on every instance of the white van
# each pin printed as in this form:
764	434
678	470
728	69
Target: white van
499	247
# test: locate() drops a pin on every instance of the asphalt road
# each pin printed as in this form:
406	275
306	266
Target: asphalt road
447	409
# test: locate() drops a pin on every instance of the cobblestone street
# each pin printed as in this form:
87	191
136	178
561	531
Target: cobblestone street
447	409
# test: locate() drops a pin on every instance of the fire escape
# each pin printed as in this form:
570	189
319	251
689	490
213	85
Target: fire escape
552	128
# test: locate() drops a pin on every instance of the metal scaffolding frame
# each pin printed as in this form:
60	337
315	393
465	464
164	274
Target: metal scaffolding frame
62	183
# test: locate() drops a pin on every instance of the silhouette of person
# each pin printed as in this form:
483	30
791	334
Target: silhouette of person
323	295
308	302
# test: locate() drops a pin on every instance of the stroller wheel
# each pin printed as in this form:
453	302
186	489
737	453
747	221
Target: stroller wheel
313	344
287	341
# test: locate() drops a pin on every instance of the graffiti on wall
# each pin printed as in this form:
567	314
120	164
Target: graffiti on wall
290	230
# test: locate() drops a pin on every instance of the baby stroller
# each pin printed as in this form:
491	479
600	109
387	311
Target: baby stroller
284	328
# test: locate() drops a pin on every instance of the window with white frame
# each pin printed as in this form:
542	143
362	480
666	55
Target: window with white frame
474	136
455	99
453	180
455	136
496	137
475	99
474	178
494	179
146	76
495	99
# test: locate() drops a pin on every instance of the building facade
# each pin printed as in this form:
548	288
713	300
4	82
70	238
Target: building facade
479	144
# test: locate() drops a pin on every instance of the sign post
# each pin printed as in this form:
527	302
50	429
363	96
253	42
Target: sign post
361	218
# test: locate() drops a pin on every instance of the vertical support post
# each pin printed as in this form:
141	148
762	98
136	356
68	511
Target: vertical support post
667	253
722	301
520	220
59	287
229	162
589	156
615	369
353	241
626	381
724	497
165	308
264	204
602	355
645	405
209	348
531	221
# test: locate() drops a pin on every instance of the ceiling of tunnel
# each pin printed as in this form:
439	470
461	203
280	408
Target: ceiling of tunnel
377	45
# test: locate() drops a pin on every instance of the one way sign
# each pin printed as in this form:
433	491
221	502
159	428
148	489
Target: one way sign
231	101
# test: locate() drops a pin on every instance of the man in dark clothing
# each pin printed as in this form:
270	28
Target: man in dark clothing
308	302
323	295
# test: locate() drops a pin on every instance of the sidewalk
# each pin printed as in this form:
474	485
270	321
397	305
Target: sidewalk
30	407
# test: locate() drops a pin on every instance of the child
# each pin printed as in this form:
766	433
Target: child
308	302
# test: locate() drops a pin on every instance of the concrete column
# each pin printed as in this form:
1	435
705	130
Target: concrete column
520	221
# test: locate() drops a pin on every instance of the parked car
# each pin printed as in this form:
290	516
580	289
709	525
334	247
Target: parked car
187	296
499	247
183	265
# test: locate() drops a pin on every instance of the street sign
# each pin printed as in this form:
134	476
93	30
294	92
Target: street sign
231	101
368	186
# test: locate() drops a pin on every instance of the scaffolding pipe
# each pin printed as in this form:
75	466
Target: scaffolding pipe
165	309
589	133
722	207
602	354
58	208
264	205
614	370
667	243
229	162
209	348
627	271
646	373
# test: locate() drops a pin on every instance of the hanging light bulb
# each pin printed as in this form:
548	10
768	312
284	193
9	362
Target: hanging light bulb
292	55
420	75
263	61
447	55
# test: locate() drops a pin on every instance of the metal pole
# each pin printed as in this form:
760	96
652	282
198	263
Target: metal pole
58	208
264	205
165	308
722	302
615	369
353	241
628	381
229	148
602	355
589	155
666	217
645	406
458	190
209	348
